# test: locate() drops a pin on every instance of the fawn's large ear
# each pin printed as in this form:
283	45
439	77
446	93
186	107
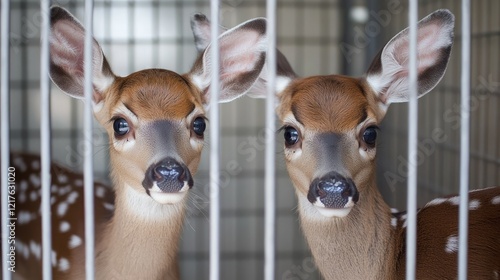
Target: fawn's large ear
388	74
242	57
67	57
200	26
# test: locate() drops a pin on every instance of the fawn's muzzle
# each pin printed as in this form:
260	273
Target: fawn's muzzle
333	191
167	176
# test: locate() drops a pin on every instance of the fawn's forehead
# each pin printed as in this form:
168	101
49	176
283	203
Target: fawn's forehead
327	103
157	94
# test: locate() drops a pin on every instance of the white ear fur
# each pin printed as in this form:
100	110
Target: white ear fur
67	57
242	54
388	74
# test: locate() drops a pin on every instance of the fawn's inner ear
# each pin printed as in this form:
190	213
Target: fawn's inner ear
67	58
388	74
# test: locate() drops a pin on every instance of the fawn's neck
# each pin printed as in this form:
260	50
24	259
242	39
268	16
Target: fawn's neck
141	240
358	246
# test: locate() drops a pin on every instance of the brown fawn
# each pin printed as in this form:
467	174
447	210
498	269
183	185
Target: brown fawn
330	126
155	121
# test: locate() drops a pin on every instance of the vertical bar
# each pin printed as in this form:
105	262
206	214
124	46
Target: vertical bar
4	140
87	132
464	142
214	146
411	231
45	140
269	184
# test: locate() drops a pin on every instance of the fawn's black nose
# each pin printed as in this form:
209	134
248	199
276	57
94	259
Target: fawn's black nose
169	175
333	191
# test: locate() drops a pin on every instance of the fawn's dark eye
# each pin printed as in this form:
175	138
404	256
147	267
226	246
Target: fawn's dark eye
199	126
121	127
370	135
291	136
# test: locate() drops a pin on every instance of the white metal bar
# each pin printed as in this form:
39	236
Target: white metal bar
269	185
4	140
88	157
214	146
411	230
464	142
45	140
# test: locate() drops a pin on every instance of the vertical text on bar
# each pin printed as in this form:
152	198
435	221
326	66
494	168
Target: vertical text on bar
411	233
4	127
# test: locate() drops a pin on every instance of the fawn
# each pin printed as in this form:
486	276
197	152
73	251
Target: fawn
330	126
155	121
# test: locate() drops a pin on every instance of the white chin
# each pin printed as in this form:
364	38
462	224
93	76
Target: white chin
167	198
329	212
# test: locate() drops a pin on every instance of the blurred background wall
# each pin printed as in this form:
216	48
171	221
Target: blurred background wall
318	37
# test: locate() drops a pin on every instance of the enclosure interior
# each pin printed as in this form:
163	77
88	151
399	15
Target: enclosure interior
317	37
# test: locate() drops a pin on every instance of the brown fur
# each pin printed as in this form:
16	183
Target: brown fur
327	103
156	94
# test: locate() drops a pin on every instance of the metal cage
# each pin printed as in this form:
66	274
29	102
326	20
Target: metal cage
251	202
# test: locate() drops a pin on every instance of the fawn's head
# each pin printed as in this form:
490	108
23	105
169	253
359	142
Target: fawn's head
155	118
330	123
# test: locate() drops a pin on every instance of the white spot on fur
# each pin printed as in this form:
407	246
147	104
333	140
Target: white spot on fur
474	204
78	182
495	200
23	186
62	208
64	226
99	192
22	197
35	180
64	190
22	249
435	201
62	178
24	217
74	241
35	249
63	264
452	244
454	200
54	188
394	210
72	197
19	163
394	222
33	196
